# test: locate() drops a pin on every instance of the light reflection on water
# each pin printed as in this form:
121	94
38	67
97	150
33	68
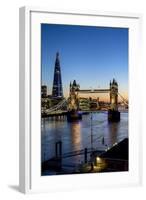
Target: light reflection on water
77	135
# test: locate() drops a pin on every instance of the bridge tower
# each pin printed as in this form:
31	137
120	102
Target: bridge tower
73	102
73	96
114	95
113	113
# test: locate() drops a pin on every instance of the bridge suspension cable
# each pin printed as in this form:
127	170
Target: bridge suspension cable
57	107
123	99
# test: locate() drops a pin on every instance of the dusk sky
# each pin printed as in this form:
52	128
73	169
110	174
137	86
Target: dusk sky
91	55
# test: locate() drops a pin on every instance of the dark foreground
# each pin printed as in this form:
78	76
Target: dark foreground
114	159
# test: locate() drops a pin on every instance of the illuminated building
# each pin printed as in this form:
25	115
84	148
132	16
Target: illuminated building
57	91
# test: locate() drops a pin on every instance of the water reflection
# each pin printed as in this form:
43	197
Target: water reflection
77	135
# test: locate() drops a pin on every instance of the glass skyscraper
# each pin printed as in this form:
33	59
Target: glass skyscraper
57	90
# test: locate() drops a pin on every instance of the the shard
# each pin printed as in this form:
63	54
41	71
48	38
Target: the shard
57	91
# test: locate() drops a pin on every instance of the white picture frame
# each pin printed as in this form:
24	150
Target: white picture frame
30	177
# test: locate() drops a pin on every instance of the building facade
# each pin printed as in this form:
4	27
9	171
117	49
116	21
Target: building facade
43	91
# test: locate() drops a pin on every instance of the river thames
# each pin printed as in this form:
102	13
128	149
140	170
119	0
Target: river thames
77	135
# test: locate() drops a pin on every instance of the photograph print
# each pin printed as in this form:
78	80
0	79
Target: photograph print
84	99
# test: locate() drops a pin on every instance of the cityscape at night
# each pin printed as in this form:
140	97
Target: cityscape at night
84	99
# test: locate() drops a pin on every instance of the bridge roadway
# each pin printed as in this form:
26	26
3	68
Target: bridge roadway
94	91
64	113
55	114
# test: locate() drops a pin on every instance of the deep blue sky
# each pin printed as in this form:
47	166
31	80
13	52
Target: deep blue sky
91	55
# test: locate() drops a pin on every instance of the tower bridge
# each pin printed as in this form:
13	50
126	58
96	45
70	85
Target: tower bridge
72	103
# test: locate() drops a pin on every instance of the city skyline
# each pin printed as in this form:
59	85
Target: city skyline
91	55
